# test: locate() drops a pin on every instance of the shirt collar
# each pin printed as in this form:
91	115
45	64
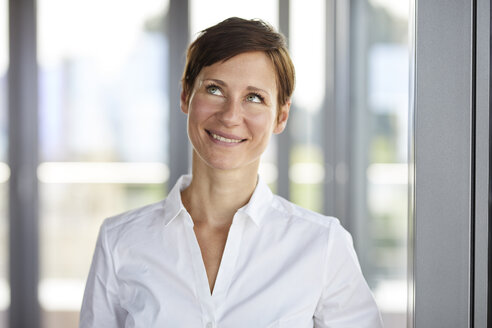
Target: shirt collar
173	204
255	209
259	202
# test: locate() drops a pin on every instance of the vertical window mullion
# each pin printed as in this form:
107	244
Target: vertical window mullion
23	161
328	113
284	139
178	137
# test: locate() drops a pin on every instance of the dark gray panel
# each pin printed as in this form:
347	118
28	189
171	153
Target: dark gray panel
443	147
482	164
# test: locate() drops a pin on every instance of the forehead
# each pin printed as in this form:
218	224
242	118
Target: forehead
246	69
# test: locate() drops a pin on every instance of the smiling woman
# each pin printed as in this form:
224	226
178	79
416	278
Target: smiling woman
232	112
222	249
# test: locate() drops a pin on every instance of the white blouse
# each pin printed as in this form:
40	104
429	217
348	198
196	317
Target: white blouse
283	266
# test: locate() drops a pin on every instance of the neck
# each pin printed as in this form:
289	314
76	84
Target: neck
214	195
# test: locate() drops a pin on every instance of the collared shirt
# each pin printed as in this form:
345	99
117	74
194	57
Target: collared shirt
282	266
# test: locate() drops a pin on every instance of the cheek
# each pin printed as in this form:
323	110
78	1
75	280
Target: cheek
262	123
201	109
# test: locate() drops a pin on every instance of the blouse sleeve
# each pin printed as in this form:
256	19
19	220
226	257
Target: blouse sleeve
346	300
100	306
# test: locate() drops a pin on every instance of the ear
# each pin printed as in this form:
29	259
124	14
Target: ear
183	103
282	118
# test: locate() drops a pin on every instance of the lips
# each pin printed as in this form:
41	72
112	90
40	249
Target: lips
224	137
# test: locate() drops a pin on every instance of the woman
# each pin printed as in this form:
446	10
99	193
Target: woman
222	250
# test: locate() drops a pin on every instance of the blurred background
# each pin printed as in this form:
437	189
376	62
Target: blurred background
106	102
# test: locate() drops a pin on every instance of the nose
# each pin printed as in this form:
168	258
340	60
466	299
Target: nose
231	113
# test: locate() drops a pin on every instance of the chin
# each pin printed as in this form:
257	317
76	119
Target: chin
215	162
219	161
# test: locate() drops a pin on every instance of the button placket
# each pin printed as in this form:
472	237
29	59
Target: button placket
201	282
229	259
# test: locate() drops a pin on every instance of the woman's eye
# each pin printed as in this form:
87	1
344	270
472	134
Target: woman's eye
254	98
213	90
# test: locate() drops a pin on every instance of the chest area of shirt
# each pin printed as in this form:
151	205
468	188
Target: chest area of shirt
254	271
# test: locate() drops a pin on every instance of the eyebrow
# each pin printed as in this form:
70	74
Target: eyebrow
219	82
249	88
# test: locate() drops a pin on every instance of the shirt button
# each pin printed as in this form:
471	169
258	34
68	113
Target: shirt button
210	325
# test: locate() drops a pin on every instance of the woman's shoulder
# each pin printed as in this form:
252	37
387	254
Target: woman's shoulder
137	217
295	213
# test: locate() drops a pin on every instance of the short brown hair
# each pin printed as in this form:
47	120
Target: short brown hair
232	37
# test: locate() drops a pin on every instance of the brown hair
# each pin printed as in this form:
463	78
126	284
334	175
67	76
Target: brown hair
232	37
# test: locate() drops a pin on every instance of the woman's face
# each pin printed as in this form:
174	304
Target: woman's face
232	111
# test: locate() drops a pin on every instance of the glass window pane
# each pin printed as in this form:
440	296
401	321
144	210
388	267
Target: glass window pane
380	87
103	132
307	171
103	85
4	169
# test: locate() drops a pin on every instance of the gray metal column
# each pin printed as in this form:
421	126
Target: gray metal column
443	214
178	42
336	111
328	114
483	183
342	110
23	161
284	139
359	145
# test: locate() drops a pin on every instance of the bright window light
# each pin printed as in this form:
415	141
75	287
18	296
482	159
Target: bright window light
89	172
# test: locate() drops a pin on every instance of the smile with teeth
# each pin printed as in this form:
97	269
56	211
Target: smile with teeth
223	139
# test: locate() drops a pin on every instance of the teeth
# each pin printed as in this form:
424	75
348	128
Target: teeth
215	136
